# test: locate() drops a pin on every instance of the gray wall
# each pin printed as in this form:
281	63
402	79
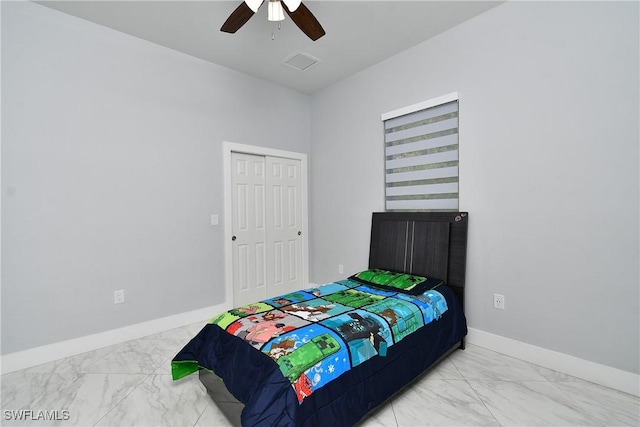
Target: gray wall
549	133
111	168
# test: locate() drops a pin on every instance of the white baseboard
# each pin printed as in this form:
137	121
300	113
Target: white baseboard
48	353
600	374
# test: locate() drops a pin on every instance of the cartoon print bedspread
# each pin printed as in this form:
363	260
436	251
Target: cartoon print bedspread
316	335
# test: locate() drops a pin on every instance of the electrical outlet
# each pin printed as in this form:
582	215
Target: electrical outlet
340	269
498	301
118	297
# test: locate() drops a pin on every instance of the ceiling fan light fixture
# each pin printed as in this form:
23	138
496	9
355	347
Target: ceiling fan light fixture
292	5
276	12
254	5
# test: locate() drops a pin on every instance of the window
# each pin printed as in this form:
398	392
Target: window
421	156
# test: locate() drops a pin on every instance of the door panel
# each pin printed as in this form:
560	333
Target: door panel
277	264
293	265
284	222
248	228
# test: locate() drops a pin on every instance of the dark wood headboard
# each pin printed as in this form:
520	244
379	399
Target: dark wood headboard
432	244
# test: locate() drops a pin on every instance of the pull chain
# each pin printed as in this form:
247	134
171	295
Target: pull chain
273	34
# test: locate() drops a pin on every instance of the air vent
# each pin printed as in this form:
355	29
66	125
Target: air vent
300	61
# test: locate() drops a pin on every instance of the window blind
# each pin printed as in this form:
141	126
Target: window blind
421	159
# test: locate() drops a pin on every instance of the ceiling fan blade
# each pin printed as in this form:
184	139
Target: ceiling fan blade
237	19
305	20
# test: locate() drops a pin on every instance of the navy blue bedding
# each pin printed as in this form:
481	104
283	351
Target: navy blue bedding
249	356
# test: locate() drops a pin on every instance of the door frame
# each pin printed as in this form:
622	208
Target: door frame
227	149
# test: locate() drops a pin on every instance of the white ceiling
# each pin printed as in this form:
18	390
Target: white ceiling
358	33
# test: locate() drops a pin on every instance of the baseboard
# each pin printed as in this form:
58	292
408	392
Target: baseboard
48	353
600	374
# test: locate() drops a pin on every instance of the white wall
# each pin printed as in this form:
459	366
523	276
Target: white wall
549	132
111	168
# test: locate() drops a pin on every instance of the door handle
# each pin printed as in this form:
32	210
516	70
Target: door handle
299	233
233	238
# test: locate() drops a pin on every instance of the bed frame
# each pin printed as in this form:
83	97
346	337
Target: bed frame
432	244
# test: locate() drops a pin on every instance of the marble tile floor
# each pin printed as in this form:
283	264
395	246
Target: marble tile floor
130	384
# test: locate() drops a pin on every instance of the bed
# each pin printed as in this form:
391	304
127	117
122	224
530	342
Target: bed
328	355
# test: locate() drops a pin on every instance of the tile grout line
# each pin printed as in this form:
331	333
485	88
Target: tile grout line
476	393
393	411
577	403
122	400
145	378
200	416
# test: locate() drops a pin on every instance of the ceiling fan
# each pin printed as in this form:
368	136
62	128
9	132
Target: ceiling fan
299	14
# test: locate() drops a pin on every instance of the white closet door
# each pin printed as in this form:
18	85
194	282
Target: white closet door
284	225
248	183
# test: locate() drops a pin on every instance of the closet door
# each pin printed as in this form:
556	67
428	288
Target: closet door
248	183
284	225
